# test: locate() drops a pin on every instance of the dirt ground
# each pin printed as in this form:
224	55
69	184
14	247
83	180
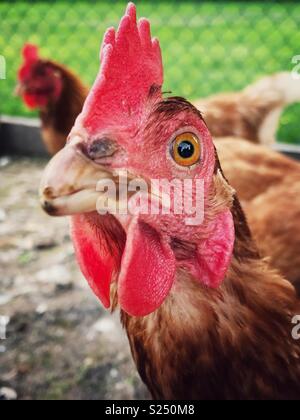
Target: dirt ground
60	343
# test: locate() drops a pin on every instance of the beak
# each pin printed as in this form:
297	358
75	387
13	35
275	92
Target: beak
19	89
69	183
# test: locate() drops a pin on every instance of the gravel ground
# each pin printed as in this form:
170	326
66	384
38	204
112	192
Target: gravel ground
60	343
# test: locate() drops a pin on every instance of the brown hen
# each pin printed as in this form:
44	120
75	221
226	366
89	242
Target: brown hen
55	91
254	113
268	184
206	316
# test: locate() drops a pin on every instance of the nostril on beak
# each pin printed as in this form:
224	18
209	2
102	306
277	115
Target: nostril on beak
46	201
48	193
48	207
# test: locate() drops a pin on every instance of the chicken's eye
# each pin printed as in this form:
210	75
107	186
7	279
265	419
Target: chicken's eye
101	148
186	149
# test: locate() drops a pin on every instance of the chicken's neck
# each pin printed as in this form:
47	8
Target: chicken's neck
61	115
231	343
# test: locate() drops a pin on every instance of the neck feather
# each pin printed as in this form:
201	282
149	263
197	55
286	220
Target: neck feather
63	113
220	343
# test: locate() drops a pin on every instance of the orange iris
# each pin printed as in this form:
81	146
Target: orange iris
186	149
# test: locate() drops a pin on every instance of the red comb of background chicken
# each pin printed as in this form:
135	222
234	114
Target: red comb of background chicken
131	64
30	55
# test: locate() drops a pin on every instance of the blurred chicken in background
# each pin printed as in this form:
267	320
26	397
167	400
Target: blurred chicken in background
252	168
55	91
254	113
268	184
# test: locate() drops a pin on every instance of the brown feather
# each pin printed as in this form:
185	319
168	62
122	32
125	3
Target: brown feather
58	118
254	113
268	184
231	343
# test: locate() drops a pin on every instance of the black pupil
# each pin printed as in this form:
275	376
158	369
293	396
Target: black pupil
186	149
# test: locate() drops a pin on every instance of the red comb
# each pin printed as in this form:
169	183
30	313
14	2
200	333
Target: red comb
30	55
30	52
131	64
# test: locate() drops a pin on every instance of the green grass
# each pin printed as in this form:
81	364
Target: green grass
207	46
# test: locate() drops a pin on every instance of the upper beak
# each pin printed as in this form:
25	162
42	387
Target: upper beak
69	183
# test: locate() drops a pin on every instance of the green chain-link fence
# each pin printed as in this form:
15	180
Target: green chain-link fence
208	46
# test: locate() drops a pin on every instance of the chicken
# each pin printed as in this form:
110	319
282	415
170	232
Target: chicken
254	113
253	169
206	316
274	219
268	184
55	91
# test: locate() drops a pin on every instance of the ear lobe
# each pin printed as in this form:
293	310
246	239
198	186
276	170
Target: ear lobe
214	255
148	270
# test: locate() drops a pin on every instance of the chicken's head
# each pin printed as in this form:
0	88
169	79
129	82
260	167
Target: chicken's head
130	135
39	82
